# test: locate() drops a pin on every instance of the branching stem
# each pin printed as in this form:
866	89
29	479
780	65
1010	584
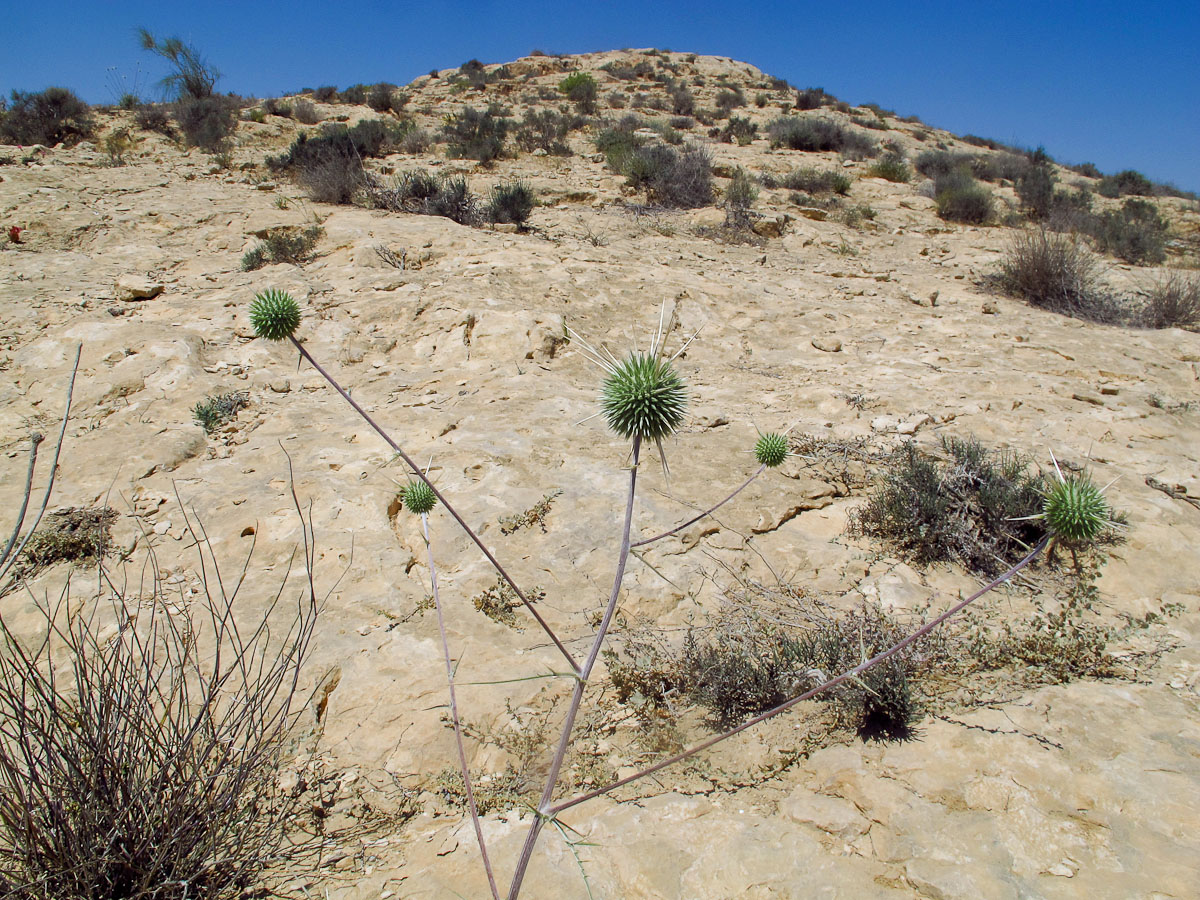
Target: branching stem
450	509
708	512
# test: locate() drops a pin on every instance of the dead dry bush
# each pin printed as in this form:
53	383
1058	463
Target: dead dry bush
142	730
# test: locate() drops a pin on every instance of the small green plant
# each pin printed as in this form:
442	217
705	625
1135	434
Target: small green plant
580	88
960	198
117	144
219	409
283	245
535	515
771	450
476	134
511	204
892	166
418	497
274	315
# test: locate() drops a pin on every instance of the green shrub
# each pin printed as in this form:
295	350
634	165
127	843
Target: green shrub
1173	302
969	507
936	163
580	88
679	178
326	93
812	98
818	134
1035	189
683	103
304	112
219	409
282	245
154	117
739	129
476	134
817	181
728	100
193	78
207	122
384	97
328	164
511	203
50	117
426	194
893	167
960	198
355	95
544	130
1136	233
1057	272
1129	181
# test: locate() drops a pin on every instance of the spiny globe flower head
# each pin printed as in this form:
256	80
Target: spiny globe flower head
418	497
274	315
643	397
771	449
1075	510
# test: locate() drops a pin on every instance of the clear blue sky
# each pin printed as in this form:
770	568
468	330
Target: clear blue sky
1117	84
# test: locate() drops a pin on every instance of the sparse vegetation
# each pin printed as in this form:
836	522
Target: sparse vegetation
817	181
218	410
511	204
476	134
426	194
545	130
960	198
50	117
580	88
207	122
1128	182
1136	232
1057	272
892	166
815	134
282	245
1173	302
74	535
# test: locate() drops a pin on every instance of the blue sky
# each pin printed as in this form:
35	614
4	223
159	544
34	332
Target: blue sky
1116	84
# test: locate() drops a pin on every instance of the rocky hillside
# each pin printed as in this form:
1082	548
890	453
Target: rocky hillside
835	292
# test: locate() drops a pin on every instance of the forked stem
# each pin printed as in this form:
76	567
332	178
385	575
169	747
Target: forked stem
808	695
450	509
708	512
544	810
458	735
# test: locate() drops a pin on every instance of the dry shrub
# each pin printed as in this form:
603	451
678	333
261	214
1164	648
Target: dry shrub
141	741
1057	272
1173	302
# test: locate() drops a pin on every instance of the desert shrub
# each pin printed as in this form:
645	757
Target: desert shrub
855	215
1071	211
616	100
739	198
1087	169
812	98
684	123
873	122
426	194
154	117
1002	166
960	198
147	765
384	97
728	100
618	142
580	88
328	164
817	181
680	178
1173	302
511	203
74	535
968	507
893	167
50	117
1129	181
282	245
935	163
326	93
117	143
683	102
256	114
416	140
476	134
739	129
193	78
1035	189
544	130
818	134
219	409
304	112
1057	272
355	95
977	141
1136	233
207	122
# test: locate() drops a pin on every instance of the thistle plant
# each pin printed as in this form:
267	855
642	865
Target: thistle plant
642	398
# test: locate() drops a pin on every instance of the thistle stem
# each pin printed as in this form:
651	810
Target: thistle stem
458	735
708	512
450	509
544	810
808	695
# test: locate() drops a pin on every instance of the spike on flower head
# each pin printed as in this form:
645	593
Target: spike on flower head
1075	510
771	449
274	315
643	397
418	497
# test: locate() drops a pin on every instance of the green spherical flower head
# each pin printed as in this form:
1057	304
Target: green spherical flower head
418	497
644	397
274	315
771	449
1075	511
